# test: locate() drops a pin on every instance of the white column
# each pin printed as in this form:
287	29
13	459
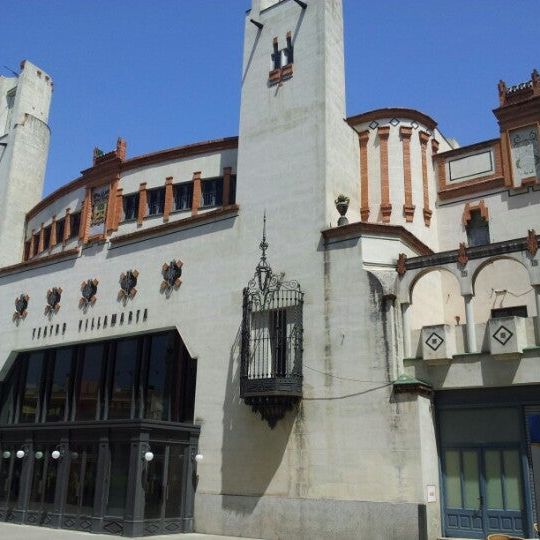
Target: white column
471	330
406	316
537	298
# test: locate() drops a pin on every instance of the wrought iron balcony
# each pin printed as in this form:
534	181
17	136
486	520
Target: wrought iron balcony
271	353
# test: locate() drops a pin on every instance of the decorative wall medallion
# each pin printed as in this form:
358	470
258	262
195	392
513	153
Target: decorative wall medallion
88	291
434	341
532	242
21	305
171	275
128	282
53	300
462	257
401	264
503	335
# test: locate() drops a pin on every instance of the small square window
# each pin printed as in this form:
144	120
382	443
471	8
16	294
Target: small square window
477	230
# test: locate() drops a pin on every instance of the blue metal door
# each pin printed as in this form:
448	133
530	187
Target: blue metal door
483	491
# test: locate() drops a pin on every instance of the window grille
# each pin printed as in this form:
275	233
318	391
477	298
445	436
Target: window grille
131	206
272	342
183	196
156	201
212	192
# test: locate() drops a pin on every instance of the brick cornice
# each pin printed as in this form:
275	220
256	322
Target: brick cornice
424	137
398	112
359	229
383	132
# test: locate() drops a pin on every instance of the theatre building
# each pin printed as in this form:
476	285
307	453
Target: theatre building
324	327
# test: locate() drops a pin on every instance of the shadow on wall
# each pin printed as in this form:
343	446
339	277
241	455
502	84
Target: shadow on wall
251	451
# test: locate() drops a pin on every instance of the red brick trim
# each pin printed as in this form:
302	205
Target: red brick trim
67	226
408	208
179	224
52	236
227	171
484	212
40	261
386	207
118	209
359	228
32	248
424	138
197	193
363	138
434	146
205	147
168	203
476	185
41	246
85	215
398	112
143	203
110	219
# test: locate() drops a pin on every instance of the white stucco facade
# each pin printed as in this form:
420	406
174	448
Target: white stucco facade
362	441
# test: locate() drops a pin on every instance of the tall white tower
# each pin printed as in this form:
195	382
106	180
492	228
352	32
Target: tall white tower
295	149
24	145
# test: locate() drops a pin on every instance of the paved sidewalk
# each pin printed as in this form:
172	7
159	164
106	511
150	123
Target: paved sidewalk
8	531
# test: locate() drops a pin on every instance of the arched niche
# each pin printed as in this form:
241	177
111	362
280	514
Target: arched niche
502	286
436	299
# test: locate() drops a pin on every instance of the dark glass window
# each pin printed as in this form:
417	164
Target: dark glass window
36	244
46	237
514	311
32	385
131	206
60	230
75	224
232	190
153	483
477	230
123	379
175	480
90	382
156	201
212	192
9	396
59	383
160	374
183	196
82	479
119	455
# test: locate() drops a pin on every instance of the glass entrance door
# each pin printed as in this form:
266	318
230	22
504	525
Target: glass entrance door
483	491
43	487
81	481
164	486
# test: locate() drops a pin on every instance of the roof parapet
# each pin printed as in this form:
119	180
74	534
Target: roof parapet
519	92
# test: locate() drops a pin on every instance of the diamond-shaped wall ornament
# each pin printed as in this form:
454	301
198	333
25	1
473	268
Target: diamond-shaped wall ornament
414	124
503	335
507	336
394	122
434	341
438	343
373	125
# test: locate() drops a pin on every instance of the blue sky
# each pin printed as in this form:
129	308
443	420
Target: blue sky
166	73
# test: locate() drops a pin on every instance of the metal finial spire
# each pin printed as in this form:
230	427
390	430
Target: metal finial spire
264	244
